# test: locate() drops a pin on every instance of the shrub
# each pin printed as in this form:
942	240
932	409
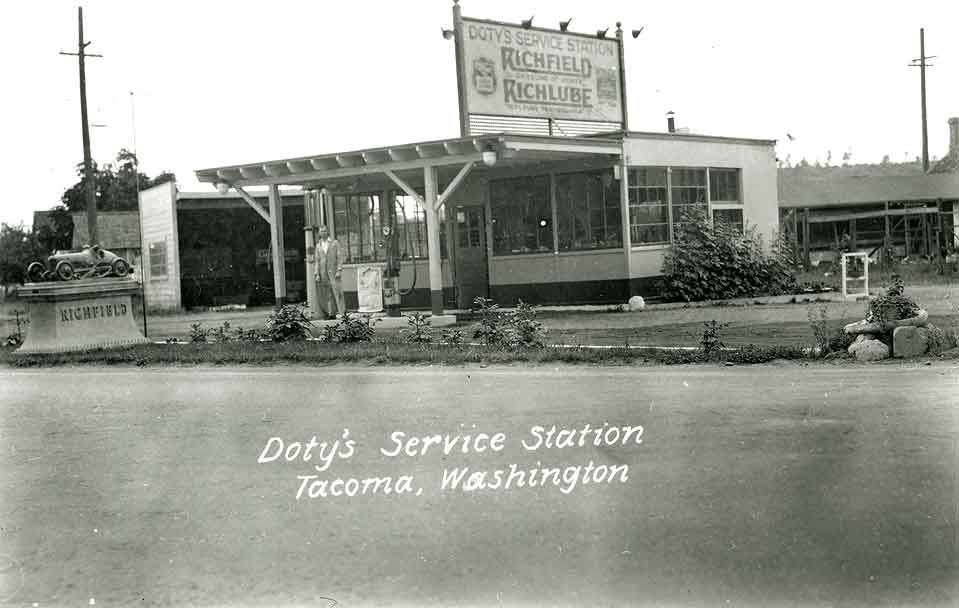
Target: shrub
893	305
452	336
710	341
763	354
289	322
420	331
820	327
524	330
492	324
197	332
517	329
16	338
941	340
349	329
246	335
828	339
715	261
222	333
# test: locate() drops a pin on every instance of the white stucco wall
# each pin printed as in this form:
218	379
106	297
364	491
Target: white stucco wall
756	160
158	223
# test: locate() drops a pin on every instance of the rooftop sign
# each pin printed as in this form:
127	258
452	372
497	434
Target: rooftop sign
510	70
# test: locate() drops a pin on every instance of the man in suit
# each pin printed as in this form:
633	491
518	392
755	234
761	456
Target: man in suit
329	269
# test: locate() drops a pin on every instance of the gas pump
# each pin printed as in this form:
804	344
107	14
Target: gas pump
392	293
391	273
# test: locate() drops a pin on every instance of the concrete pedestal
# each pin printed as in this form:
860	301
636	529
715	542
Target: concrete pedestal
80	315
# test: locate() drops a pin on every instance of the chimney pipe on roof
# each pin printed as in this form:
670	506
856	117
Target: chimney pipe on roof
954	137
671	121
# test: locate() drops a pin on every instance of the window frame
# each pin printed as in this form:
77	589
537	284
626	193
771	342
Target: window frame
711	205
511	206
605	208
154	264
633	172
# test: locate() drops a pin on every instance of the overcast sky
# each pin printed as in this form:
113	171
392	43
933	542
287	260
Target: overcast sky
225	82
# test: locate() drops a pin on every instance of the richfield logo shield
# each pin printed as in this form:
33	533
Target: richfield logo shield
484	76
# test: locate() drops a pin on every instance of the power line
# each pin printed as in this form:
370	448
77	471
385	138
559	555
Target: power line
91	186
922	65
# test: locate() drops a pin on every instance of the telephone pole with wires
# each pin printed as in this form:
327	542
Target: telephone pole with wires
922	65
88	177
136	177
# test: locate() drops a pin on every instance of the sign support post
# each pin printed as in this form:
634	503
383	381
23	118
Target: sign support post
460	68
622	73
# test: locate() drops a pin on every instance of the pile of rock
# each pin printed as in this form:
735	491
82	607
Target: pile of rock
910	338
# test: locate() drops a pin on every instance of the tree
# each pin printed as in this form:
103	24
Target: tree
58	232
18	247
116	185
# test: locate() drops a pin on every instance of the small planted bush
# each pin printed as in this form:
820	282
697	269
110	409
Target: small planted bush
524	330
420	329
516	329
492	324
828	339
893	305
348	329
222	333
452	336
197	332
711	341
289	322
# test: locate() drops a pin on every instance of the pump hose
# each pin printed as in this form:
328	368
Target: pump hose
409	242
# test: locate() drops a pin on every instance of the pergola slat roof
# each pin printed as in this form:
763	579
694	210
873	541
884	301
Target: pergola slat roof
509	149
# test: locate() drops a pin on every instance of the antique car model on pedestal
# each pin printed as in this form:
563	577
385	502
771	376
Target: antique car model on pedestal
89	262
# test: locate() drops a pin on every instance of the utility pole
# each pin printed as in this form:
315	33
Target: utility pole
88	177
922	92
136	174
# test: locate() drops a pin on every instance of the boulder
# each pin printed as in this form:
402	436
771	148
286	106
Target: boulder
864	337
862	327
637	303
910	341
869	350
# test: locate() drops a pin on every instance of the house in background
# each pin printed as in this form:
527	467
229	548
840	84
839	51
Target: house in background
896	207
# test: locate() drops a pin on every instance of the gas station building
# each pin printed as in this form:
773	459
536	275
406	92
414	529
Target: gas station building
507	210
549	220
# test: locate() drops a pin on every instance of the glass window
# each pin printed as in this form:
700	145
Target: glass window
158	259
356	220
688	188
470	221
648	213
588	211
521	215
724	186
411	226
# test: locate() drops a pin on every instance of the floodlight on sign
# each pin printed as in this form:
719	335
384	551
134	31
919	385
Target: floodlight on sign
489	156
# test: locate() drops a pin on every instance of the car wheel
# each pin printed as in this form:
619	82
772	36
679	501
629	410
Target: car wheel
64	270
35	272
120	267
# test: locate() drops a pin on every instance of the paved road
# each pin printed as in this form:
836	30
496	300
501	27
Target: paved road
761	486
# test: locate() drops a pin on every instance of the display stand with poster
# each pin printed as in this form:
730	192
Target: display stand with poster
369	289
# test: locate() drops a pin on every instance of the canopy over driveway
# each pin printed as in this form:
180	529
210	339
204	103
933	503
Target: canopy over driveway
424	164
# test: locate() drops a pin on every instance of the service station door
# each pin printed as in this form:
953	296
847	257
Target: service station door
471	268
